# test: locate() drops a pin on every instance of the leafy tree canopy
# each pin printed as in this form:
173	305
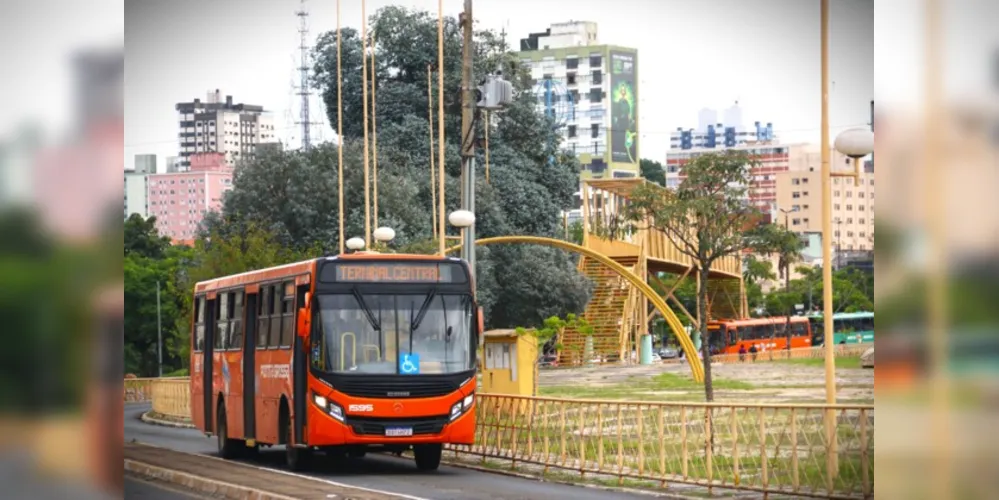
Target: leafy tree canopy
293	195
653	171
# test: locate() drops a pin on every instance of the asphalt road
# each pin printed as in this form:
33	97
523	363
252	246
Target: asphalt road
380	472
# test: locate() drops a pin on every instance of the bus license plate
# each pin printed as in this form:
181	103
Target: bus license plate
398	431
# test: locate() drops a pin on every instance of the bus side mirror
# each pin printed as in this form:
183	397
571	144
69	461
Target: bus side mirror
304	323
304	318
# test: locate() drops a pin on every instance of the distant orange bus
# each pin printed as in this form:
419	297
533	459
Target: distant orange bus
338	354
767	334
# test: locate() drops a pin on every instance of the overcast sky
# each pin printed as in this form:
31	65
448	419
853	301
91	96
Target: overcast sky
691	54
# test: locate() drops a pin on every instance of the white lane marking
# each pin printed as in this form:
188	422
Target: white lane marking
313	478
342	485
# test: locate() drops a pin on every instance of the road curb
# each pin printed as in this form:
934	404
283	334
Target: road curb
540	479
199	484
146	418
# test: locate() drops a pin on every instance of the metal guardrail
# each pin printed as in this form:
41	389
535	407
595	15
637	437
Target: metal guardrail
756	447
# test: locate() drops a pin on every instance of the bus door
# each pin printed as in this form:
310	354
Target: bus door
250	368
207	363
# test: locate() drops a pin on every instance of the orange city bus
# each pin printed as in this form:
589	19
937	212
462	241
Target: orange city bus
768	334
341	354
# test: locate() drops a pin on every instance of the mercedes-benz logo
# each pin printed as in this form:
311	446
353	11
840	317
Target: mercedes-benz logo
397	407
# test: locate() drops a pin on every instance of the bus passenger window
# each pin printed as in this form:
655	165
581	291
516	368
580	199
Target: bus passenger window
236	320
263	312
199	324
288	314
275	316
221	323
800	329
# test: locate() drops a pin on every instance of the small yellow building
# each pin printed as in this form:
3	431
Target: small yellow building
508	362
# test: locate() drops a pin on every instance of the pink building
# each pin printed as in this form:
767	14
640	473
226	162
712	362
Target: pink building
180	200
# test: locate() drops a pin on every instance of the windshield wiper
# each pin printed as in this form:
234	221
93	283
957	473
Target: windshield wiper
367	311
423	310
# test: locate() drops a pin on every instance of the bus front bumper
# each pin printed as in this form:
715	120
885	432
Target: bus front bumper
325	429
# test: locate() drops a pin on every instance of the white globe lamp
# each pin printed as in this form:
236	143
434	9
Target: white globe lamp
855	142
355	244
384	234
461	218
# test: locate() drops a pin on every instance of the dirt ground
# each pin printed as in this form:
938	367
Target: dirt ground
768	382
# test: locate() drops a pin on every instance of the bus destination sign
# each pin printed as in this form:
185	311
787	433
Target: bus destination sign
397	272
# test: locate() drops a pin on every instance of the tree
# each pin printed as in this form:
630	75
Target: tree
226	250
293	195
706	219
549	337
754	272
142	237
653	171
779	241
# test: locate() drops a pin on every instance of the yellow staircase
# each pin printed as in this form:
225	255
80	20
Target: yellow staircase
604	313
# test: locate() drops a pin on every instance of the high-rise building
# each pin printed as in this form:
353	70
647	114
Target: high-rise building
219	126
590	90
145	164
136	185
180	200
172	164
16	164
759	142
714	134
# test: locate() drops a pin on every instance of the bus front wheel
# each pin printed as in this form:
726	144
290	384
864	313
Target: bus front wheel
226	446
296	458
428	456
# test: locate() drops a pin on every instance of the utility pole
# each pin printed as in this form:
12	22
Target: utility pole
467	137
496	93
159	330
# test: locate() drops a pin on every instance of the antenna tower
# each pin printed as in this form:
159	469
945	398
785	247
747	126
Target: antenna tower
304	91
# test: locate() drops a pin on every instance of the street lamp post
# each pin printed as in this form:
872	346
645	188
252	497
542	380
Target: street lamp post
855	143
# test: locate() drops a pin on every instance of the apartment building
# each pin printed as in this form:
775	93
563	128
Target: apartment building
220	126
180	200
799	192
591	91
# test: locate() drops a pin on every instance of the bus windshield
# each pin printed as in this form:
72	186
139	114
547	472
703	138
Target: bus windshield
406	334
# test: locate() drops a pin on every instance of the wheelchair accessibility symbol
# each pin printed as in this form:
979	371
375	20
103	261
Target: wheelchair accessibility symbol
409	364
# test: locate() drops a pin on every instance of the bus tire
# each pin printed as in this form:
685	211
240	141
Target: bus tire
295	458
226	446
428	456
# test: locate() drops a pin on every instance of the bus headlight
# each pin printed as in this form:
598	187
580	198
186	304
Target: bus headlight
320	401
332	409
462	406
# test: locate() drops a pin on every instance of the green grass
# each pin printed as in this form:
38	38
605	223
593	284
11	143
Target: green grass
683	388
672	381
847	362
